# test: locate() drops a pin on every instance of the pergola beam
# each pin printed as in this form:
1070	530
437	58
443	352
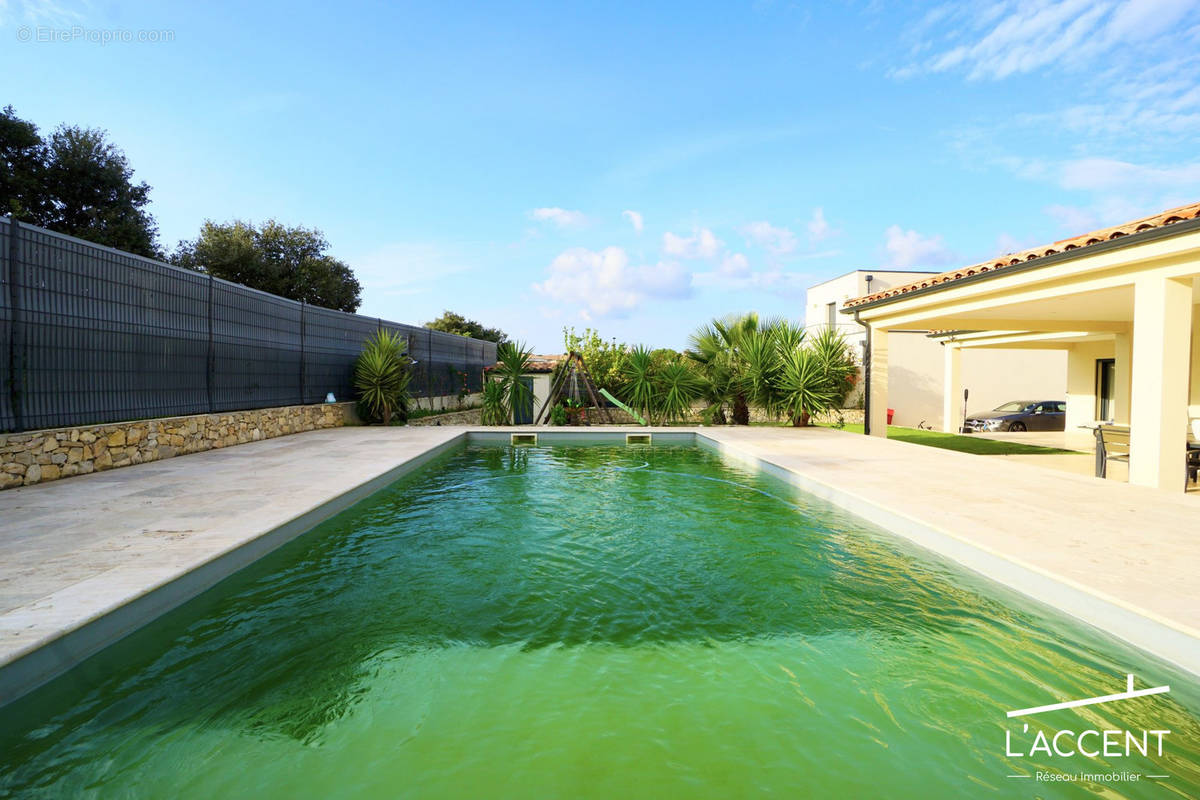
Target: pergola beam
981	324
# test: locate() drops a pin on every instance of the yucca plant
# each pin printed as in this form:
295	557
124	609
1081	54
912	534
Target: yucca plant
837	360
640	390
494	410
816	378
512	362
761	363
381	376
677	388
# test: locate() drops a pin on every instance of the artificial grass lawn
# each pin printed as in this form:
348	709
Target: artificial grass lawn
964	444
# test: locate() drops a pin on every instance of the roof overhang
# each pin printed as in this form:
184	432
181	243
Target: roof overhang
1131	240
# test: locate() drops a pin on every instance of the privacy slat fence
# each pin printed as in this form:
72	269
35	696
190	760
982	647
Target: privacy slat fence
91	335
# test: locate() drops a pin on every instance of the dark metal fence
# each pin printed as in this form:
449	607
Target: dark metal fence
89	334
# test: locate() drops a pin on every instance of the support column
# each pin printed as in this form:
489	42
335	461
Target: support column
1162	333
952	399
1194	400
879	381
1122	378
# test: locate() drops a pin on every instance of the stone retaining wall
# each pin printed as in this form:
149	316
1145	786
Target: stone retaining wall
470	416
47	455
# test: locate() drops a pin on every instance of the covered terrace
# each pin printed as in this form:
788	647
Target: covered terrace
1120	301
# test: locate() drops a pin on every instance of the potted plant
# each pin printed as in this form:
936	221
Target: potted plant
574	411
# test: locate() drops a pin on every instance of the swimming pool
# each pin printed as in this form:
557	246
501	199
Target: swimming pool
592	622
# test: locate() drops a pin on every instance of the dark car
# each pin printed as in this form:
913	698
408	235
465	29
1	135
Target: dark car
1021	415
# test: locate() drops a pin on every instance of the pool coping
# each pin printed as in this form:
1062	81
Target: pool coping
27	668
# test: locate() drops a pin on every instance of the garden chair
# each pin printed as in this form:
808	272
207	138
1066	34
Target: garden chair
1112	444
1193	453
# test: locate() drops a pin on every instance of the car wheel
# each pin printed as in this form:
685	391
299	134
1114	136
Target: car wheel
1017	427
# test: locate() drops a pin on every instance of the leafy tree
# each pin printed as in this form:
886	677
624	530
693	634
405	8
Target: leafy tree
22	158
605	359
457	323
77	183
275	258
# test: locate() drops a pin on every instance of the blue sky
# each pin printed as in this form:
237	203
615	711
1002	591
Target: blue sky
636	167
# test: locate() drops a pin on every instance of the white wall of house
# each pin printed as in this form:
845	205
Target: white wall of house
916	369
1081	390
541	391
916	377
823	302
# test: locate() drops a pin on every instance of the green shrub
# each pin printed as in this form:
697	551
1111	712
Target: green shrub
494	411
381	377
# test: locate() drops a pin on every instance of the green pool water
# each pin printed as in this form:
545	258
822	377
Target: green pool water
593	622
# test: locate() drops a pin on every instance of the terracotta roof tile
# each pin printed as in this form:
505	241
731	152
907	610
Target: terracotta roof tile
537	363
1106	234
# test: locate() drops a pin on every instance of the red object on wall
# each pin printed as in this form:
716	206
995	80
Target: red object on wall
891	413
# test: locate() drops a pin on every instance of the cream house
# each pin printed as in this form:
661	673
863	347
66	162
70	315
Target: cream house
916	387
1119	302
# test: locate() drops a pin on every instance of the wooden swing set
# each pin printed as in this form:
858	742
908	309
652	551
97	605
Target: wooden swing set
578	373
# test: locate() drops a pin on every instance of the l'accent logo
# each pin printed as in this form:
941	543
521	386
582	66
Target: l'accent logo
1128	694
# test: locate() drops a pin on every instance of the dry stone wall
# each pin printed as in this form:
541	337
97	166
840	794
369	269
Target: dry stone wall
40	456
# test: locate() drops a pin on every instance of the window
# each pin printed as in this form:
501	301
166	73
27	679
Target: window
1106	369
831	314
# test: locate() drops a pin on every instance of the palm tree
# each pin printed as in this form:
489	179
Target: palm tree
717	350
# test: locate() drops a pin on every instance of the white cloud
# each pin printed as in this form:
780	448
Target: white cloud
735	273
1109	174
1073	218
702	244
635	219
561	217
603	283
1001	39
778	241
1134	91
818	227
40	12
734	265
911	249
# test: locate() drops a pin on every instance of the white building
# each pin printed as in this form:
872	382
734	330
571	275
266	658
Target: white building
917	363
